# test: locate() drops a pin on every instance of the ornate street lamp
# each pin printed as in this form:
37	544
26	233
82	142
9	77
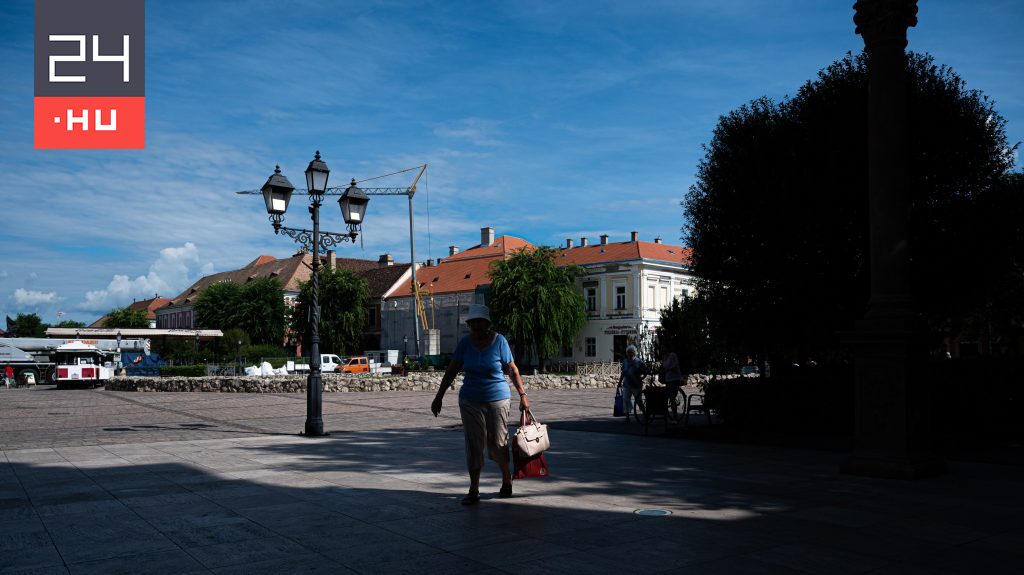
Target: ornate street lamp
118	349
277	193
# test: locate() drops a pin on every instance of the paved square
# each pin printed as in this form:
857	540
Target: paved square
111	482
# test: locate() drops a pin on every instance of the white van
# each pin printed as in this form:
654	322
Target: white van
329	362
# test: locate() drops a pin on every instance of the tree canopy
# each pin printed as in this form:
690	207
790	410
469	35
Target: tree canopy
777	218
343	299
70	323
217	306
257	308
535	302
126	317
261	311
26	325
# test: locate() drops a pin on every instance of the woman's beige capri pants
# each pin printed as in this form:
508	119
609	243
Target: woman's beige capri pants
485	424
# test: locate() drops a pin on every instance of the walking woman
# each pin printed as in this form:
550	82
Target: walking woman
631	379
484	398
671	373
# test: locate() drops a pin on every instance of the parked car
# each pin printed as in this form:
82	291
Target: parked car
359	364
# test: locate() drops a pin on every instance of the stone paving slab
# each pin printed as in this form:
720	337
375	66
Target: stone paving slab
171	483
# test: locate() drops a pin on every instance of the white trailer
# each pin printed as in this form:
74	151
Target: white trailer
83	365
34	357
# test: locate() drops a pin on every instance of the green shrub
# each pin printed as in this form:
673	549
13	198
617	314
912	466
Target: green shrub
182	370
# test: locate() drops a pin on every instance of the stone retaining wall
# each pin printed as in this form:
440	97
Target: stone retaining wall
337	383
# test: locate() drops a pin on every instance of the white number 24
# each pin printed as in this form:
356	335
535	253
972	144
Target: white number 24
80	57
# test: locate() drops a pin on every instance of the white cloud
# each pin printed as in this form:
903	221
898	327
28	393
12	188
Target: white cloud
32	298
172	271
476	130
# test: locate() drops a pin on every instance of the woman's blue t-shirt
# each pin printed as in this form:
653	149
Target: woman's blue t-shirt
633	372
484	378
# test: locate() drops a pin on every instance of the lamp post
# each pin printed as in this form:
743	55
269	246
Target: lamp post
118	350
238	356
277	193
405	342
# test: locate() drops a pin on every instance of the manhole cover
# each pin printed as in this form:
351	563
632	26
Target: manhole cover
653	512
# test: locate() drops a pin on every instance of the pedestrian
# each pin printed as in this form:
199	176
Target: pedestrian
8	376
671	373
631	379
485	357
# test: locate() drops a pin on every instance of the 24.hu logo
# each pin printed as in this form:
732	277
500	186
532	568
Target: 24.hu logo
90	74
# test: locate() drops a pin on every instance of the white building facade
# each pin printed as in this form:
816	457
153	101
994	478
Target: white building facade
625	287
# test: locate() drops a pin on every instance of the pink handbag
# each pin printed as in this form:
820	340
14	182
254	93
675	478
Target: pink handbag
532	436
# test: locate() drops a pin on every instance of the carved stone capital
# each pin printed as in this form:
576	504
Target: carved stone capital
884	22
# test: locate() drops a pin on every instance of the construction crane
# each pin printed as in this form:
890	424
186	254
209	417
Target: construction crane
385	191
421	312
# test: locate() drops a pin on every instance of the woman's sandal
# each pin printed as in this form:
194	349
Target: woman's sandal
506	491
471	499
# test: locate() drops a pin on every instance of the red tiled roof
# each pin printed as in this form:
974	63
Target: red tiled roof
289	271
260	261
461	274
148	306
503	246
451	276
623	251
464	271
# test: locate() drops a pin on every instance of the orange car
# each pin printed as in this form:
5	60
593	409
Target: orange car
355	365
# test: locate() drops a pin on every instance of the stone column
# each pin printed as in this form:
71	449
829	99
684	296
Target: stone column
893	412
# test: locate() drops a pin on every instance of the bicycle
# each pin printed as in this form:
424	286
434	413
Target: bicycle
681	404
653	403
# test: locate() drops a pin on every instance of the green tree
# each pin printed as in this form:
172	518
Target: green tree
261	311
685	329
126	317
343	298
28	325
70	323
777	217
536	303
217	306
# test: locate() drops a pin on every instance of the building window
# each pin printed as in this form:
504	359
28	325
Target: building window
664	297
651	304
620	297
591	299
591	347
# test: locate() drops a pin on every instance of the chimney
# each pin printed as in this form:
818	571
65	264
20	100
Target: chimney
452	250
385	260
486	236
604	239
430	263
568	244
633	236
583	242
332	260
657	240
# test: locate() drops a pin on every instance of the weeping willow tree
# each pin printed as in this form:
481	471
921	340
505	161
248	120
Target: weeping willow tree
535	303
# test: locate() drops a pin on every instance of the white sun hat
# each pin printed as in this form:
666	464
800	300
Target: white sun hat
478	311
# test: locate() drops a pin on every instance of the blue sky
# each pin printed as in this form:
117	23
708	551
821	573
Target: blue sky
546	120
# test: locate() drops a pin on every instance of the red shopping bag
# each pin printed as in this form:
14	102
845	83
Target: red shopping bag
524	467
